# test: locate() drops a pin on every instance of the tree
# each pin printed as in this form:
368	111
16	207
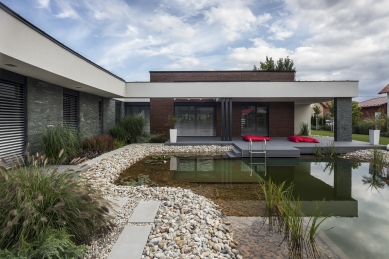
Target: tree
316	111
356	113
283	64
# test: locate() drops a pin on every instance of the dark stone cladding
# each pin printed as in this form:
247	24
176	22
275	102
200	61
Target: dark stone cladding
109	114
281	119
343	119
89	114
44	107
220	76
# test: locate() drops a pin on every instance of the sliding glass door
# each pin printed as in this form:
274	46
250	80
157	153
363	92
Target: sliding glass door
195	120
254	119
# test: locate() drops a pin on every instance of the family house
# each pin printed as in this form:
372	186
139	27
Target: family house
43	83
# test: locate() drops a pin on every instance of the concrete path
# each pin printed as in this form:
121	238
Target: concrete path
133	239
145	212
117	204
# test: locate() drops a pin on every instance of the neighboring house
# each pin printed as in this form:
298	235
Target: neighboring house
44	83
370	107
324	107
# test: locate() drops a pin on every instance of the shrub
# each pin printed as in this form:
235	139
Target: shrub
119	144
362	127
104	143
304	129
60	139
53	243
128	129
159	138
34	199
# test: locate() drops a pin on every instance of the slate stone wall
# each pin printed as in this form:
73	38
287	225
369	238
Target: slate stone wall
108	114
89	113
343	119
44	108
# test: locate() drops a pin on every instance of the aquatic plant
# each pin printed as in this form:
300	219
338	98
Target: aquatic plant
284	213
317	152
331	150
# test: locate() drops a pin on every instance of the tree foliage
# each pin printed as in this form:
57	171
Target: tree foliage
356	113
316	109
283	64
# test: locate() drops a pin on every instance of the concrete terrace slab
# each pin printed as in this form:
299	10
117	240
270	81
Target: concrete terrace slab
130	243
145	212
276	147
117	204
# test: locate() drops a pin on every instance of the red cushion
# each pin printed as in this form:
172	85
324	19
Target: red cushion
302	139
310	140
295	139
255	138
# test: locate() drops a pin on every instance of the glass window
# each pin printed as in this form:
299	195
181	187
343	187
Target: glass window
253	120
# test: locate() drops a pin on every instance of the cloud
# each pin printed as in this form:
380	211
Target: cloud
66	10
44	4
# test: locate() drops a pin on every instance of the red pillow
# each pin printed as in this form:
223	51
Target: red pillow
255	138
295	139
310	140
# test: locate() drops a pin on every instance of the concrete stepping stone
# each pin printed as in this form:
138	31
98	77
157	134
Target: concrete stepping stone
145	212
117	204
130	243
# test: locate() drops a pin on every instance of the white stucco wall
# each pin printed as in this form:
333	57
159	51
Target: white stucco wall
302	113
50	62
304	89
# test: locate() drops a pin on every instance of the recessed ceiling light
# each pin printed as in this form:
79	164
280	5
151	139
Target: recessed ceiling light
11	65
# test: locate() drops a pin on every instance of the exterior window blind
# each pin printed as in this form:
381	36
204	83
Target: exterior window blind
70	110
12	122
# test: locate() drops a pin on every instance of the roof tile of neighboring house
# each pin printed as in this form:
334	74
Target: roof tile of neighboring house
385	90
373	102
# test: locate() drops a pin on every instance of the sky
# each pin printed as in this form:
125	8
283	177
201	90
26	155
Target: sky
327	39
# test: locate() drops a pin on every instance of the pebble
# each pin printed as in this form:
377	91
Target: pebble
187	225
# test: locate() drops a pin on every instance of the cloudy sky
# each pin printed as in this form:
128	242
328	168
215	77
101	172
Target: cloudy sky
327	40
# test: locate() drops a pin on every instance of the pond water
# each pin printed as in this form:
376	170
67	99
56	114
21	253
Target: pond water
353	195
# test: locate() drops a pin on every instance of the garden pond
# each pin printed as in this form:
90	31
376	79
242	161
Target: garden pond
354	195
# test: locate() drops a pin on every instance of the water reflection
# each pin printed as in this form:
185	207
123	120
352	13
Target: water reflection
354	194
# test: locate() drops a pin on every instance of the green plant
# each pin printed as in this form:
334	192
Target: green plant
104	143
331	150
60	139
128	129
317	152
35	198
172	121
159	138
52	243
119	144
304	129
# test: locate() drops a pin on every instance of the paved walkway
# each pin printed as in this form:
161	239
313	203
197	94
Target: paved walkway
133	238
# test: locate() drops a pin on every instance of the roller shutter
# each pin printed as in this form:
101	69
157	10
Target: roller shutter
12	120
70	108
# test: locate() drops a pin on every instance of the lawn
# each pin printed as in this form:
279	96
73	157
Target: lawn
359	137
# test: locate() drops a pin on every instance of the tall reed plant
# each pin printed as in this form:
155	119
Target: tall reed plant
104	143
60	139
128	129
34	198
304	129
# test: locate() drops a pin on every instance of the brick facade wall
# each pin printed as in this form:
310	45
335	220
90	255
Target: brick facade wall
160	109
215	76
281	119
368	112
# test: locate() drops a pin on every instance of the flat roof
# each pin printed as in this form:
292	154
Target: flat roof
21	19
223	71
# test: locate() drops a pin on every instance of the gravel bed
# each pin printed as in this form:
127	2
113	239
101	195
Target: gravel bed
366	155
187	225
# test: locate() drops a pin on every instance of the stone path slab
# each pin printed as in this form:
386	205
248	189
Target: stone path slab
130	243
145	212
117	204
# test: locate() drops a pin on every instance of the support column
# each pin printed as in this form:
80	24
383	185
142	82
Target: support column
342	180
343	119
226	117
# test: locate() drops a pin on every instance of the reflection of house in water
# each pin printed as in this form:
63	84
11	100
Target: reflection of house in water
311	191
338	199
